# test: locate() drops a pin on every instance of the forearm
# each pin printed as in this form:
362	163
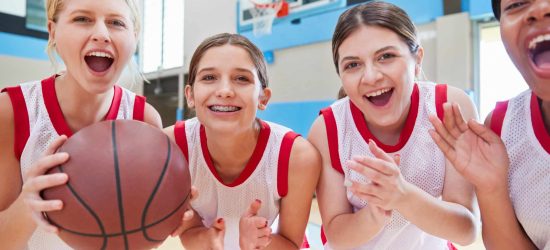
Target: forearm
281	242
16	226
501	229
443	219
195	238
351	230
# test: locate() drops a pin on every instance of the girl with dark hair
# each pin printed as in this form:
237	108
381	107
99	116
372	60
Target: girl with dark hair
385	184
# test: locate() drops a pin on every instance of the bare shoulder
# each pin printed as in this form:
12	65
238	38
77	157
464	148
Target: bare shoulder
169	131
152	116
304	157
466	104
317	133
10	174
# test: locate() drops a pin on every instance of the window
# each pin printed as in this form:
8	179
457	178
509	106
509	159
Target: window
499	79
162	37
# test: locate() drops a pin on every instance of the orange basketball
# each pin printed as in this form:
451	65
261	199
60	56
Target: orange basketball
128	187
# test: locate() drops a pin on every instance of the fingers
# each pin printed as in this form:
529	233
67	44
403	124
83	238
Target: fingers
264	241
461	123
485	133
378	152
397	159
379	165
372	174
36	184
39	205
219	224
56	143
188	214
43	223
46	163
253	208
445	147
194	193
442	130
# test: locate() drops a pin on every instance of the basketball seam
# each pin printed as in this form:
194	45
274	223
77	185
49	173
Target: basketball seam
118	188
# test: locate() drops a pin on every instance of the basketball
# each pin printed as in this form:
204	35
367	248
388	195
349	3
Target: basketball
128	187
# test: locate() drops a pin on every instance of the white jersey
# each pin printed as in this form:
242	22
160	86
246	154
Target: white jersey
422	163
265	177
520	124
39	120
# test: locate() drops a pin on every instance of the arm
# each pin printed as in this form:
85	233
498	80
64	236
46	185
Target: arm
303	174
152	116
16	217
479	156
196	236
343	228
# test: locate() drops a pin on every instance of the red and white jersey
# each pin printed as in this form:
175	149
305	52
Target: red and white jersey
265	177
39	120
520	124
422	163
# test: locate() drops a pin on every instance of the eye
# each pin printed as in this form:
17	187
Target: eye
208	78
81	19
243	79
514	5
351	65
117	23
386	56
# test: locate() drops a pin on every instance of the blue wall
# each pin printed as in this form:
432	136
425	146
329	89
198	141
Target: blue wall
296	115
478	8
23	46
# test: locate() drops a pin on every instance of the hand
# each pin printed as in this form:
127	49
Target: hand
35	180
387	188
215	235
475	151
188	215
254	231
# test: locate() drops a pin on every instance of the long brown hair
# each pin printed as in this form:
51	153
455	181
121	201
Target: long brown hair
233	39
375	13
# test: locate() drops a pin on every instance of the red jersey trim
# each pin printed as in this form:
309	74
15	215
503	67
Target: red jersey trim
261	144
284	159
181	138
440	99
332	138
497	118
56	115
139	108
20	118
406	133
538	124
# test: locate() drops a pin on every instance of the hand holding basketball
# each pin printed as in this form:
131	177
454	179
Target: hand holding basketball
35	180
254	231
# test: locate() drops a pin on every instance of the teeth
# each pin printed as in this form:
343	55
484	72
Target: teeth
99	54
378	92
224	108
538	39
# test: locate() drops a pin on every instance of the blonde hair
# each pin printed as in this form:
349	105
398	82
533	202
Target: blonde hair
53	7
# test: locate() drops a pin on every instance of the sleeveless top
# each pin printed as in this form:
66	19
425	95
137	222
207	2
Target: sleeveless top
520	124
265	177
39	120
422	163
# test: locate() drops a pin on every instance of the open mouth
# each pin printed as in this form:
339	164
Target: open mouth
224	109
380	97
539	51
99	61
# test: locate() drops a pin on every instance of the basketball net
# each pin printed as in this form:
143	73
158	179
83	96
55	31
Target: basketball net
264	13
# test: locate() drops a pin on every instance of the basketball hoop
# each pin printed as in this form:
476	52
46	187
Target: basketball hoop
264	13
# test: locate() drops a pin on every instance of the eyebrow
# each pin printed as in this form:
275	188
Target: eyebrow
87	12
212	68
348	58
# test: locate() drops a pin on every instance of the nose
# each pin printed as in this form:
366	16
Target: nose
100	33
371	74
539	10
225	89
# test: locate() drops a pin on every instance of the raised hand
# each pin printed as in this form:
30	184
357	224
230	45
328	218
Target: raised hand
387	186
254	231
34	181
475	151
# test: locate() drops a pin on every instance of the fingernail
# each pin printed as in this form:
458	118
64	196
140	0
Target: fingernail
219	220
259	201
347	183
266	223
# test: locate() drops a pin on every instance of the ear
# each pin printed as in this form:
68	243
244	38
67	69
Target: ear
265	95
51	31
419	57
189	96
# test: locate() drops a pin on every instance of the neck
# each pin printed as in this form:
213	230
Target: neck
389	134
545	110
80	108
238	145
